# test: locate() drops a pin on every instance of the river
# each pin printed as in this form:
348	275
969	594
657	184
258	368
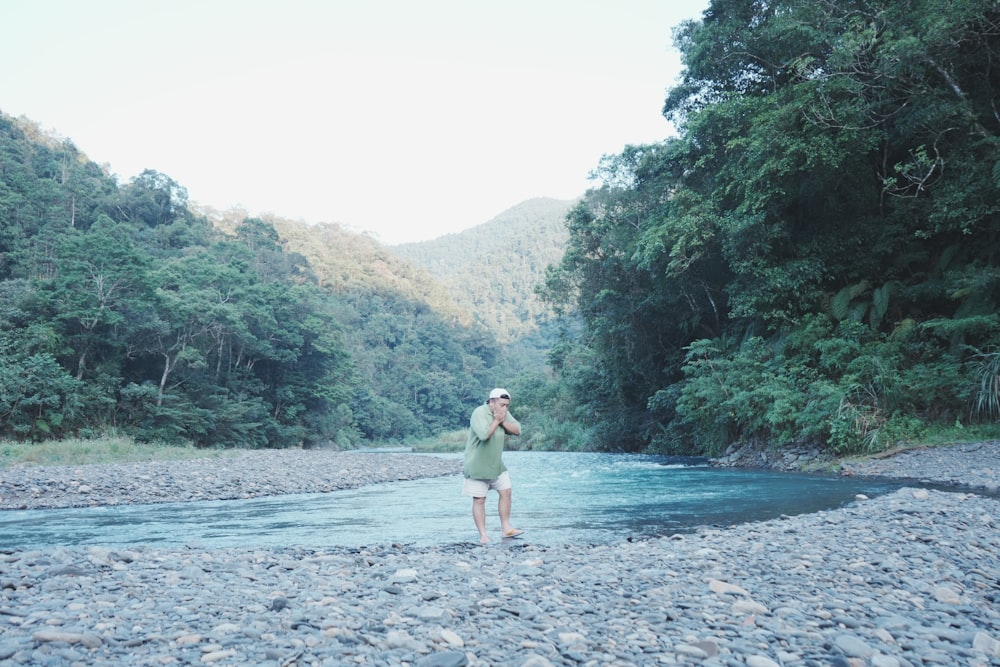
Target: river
558	499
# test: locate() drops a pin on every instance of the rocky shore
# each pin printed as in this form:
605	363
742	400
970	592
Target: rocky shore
910	578
245	474
975	464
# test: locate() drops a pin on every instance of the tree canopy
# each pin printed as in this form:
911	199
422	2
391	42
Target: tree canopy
813	257
123	308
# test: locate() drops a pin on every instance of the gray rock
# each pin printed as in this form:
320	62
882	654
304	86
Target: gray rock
443	659
853	646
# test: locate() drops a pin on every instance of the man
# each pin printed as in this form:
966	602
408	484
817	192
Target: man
484	469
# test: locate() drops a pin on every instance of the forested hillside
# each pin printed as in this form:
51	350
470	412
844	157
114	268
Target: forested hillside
812	259
123	309
492	270
815	257
346	261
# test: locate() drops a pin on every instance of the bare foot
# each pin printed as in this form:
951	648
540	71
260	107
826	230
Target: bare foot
484	539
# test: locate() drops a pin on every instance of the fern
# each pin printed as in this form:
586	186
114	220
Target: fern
987	403
880	304
843	305
840	303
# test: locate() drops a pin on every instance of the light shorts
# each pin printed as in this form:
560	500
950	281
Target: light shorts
478	488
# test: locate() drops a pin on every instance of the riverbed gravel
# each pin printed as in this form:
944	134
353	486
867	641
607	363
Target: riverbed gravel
975	465
910	578
245	474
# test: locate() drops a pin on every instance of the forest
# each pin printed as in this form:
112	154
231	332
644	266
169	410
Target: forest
814	257
810	259
123	310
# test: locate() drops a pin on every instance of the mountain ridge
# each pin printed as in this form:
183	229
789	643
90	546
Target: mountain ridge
491	270
482	276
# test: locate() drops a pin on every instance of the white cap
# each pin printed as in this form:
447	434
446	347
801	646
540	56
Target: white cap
499	393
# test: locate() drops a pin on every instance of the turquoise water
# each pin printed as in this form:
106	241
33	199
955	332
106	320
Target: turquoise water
558	498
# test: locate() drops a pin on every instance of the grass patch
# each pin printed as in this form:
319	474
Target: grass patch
443	443
110	449
934	437
954	435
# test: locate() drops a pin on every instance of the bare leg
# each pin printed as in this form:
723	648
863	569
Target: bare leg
479	516
503	507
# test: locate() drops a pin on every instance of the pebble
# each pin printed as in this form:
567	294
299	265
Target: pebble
906	579
245	474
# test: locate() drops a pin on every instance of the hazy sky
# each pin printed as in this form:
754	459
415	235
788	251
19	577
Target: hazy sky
406	118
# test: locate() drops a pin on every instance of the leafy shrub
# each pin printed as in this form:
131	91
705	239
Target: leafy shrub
38	398
986	400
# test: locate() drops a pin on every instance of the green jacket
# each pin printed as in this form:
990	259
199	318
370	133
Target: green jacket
483	458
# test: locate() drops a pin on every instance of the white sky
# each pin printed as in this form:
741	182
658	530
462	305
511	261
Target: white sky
407	118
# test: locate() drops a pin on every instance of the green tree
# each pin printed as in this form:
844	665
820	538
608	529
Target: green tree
100	276
38	399
643	285
837	163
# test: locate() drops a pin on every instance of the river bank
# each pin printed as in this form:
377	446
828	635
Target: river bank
261	473
248	474
971	464
910	578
